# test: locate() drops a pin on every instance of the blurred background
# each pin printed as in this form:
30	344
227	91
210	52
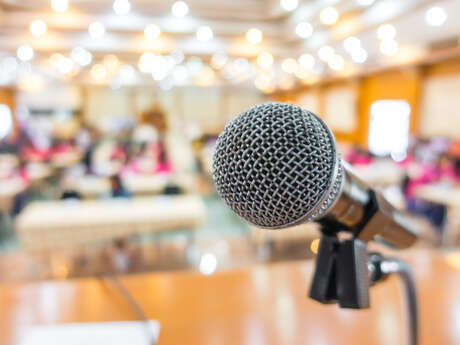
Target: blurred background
110	110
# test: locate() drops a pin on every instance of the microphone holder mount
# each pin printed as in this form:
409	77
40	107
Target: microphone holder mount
345	271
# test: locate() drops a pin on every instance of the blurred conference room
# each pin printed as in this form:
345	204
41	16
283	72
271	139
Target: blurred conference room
110	111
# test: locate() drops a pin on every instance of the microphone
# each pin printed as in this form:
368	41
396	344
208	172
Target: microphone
277	165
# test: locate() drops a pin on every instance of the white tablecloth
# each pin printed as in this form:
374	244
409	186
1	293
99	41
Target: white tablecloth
62	223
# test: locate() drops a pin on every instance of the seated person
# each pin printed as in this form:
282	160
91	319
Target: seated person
117	190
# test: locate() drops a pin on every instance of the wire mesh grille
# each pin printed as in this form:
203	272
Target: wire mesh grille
273	164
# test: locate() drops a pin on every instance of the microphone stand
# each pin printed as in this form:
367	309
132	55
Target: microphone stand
344	272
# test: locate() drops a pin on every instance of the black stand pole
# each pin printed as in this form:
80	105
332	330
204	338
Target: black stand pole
345	271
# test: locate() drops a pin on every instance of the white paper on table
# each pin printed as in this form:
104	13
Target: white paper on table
102	333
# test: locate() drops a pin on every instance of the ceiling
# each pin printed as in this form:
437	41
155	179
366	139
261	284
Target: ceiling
229	21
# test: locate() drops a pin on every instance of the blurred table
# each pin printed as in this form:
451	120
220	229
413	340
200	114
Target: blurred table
256	305
448	195
51	224
8	190
92	186
66	159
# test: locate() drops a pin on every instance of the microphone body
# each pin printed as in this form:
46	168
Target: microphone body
277	165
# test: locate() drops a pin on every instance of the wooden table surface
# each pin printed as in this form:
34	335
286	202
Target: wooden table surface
263	304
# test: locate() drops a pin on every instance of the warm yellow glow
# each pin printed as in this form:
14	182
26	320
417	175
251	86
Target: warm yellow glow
325	53
38	28
146	62
307	61
55	59
329	15
336	62
179	9
98	72
314	246
254	36
386	32
25	53
59	5
264	83
289	65
304	29
111	63
286	82
265	60
206	77
152	32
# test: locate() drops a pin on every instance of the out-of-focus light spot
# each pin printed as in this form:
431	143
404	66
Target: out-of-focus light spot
152	32
38	28
59	5
264	83
25	53
241	65
265	59
325	53
177	55
289	5
435	16
304	29
96	30
289	65
121	7
219	60
208	263
6	121
336	62
180	74
206	77
65	65
314	246
359	56
352	44
179	9
386	32
306	61
98	72
81	56
398	156
389	47
204	33
194	65
55	59
146	61
254	36
111	63
329	15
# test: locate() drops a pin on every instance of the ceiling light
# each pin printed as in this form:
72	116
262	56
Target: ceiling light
179	9
121	7
306	61
219	60
359	55
98	72
325	53
289	65
435	16
204	33
254	36
152	32
386	32
389	47
38	28
329	15
365	2
25	53
265	60
289	5
81	56
304	29
336	62
351	44
96	30
146	62
59	5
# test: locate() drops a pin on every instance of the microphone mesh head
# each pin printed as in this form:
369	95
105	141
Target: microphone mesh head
276	165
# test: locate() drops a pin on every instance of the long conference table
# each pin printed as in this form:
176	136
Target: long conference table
263	304
52	224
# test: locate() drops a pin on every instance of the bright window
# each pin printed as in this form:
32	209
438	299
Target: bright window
389	128
6	121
